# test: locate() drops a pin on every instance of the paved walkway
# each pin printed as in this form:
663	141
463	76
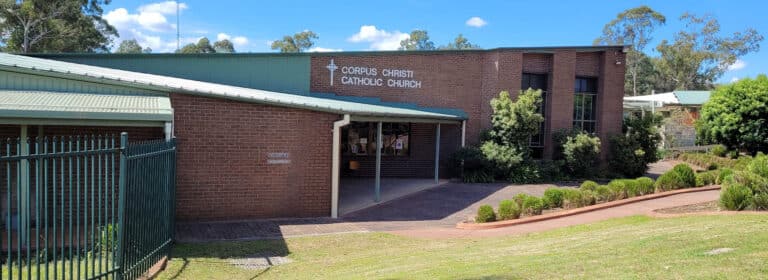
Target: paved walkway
430	213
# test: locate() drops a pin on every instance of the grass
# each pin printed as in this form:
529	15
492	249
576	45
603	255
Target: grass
624	248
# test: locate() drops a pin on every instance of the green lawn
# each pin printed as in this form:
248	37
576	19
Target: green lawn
626	248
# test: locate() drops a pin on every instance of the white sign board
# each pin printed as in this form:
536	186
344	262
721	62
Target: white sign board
278	158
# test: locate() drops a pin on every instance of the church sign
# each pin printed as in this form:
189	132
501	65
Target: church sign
352	75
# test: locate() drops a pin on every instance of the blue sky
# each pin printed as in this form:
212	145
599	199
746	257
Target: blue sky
374	25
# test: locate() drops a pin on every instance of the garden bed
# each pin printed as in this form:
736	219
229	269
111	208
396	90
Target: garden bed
575	211
704	207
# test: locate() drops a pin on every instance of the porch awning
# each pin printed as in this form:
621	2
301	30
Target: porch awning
71	108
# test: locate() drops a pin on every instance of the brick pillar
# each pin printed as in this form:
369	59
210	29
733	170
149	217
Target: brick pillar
560	103
609	97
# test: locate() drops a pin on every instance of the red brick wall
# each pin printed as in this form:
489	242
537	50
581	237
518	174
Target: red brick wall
222	166
610	98
468	80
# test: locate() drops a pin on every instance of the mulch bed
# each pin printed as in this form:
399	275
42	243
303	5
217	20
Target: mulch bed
709	206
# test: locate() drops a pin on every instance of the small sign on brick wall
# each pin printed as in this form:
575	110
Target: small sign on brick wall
279	158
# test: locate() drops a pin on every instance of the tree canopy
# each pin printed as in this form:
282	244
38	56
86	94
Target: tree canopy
204	46
695	58
699	55
460	43
417	40
633	27
55	26
131	46
736	115
297	43
223	46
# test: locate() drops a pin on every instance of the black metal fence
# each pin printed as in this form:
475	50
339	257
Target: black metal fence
84	207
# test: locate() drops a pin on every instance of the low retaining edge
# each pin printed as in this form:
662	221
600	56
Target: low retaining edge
571	212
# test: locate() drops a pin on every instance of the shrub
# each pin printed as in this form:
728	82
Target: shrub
526	173
472	166
519	198
618	189
580	153
587	198
724	173
686	174
707	178
554	197
485	214
604	194
575	198
754	182
733	154
719	150
760	202
513	122
508	209
759	165
735	197
637	146
532	205
645	185
589	185
632	187
709	161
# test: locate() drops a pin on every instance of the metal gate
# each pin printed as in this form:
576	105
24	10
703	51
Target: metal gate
85	207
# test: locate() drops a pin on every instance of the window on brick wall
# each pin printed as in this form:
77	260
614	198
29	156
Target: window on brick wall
585	104
537	81
359	139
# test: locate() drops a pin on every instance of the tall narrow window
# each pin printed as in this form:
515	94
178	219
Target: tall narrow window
585	104
537	81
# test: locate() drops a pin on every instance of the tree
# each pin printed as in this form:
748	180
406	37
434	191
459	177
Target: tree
700	55
736	116
460	43
129	46
632	27
204	46
297	43
514	122
417	40
223	46
54	26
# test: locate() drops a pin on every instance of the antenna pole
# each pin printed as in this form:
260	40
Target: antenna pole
178	47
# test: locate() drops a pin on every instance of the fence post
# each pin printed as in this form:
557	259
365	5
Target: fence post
121	204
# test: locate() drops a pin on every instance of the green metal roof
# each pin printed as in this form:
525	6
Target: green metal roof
53	68
84	106
692	97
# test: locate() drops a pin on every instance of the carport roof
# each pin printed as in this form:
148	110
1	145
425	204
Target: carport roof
84	106
53	68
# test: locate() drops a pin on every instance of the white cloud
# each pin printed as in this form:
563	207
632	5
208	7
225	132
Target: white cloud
167	7
738	65
238	41
734	79
321	49
476	22
379	39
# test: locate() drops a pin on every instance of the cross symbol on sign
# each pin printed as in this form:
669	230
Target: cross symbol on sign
332	67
